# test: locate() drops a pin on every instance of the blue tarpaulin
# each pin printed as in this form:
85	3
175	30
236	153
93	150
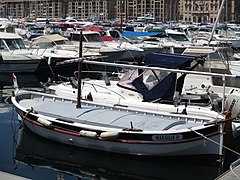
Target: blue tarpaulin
166	60
149	34
165	89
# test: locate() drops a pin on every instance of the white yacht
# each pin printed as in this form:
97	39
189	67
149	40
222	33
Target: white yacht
56	49
15	57
113	50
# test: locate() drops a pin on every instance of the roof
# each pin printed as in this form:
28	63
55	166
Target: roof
4	35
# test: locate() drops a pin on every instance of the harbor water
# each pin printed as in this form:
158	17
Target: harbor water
28	155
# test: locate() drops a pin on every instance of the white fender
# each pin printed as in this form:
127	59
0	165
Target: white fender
110	134
44	122
91	134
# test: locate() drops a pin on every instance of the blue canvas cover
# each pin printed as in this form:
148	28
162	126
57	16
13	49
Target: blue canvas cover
142	34
165	89
167	60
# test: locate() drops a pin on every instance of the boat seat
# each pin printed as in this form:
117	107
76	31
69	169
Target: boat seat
189	97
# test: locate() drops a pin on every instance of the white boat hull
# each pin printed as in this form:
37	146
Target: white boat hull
200	147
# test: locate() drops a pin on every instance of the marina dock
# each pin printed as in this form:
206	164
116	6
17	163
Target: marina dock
4	175
233	173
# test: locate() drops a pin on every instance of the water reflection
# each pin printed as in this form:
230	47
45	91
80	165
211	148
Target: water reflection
38	152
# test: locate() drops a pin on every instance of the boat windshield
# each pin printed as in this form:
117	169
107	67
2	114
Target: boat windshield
152	77
43	45
93	37
178	37
63	42
13	44
87	37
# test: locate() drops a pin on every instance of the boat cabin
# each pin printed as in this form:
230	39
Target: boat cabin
11	42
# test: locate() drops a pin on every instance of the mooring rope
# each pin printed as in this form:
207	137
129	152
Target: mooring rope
215	142
237	153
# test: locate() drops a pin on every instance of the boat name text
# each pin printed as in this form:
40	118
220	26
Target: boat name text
174	137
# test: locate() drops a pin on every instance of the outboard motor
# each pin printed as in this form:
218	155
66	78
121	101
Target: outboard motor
233	102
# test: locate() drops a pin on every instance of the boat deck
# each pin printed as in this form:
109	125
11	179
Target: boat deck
96	115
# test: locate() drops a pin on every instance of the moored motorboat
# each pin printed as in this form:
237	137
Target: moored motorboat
146	85
18	63
16	58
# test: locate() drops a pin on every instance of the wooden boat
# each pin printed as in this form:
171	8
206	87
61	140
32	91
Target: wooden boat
122	129
118	130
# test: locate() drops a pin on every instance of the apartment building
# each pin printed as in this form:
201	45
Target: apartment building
109	9
161	10
96	9
33	8
207	10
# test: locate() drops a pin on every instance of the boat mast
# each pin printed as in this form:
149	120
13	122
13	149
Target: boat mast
121	16
216	21
79	72
226	14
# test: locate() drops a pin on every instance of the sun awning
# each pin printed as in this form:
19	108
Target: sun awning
48	38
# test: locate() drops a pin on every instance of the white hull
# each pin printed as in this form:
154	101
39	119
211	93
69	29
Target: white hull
199	147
